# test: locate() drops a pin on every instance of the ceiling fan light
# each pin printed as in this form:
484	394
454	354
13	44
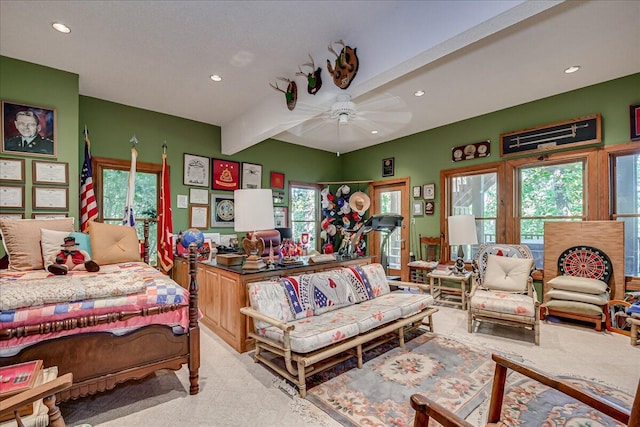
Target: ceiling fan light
343	119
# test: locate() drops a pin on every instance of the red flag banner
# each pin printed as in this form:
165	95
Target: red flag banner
165	221
88	205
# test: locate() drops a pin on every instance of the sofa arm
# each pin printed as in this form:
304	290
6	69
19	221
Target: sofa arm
421	286
426	408
284	326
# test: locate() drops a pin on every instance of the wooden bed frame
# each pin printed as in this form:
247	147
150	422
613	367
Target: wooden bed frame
101	360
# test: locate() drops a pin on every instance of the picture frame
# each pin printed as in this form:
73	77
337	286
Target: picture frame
418	207
226	175
417	191
52	198
50	172
11	197
195	170
222	210
277	180
429	191
251	175
205	253
49	215
634	122
388	166
429	208
278	197
198	196
199	216
28	130
12	169
11	215
280	219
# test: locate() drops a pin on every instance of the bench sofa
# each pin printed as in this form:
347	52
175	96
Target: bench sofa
307	323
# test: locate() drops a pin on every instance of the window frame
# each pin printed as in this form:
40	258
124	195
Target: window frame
318	189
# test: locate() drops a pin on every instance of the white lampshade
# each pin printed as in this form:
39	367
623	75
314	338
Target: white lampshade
253	210
462	230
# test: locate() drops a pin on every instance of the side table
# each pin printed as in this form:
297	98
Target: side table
448	294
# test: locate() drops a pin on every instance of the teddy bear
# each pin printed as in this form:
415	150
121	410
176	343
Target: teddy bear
71	258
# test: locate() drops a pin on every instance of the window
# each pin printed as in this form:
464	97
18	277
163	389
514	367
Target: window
303	207
111	177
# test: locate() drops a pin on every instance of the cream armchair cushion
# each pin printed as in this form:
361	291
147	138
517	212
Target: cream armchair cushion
507	274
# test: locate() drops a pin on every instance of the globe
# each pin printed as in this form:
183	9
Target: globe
192	235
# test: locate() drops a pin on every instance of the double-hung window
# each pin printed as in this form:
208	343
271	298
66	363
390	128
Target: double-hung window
304	199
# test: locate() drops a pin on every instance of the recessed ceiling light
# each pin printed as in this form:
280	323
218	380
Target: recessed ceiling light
59	26
374	132
572	69
216	78
418	93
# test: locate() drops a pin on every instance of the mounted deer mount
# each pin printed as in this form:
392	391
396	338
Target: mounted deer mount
346	65
314	80
291	94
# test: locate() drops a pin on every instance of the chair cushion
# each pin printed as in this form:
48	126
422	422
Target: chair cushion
578	284
359	282
377	279
112	243
409	303
331	290
503	302
270	299
371	314
574	307
300	293
601	299
507	273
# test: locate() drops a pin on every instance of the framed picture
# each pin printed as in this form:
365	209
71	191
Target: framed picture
251	175
429	191
28	130
11	215
48	215
195	170
222	210
11	169
11	196
417	191
280	216
388	166
418	207
634	112
429	208
198	196
199	216
50	172
277	180
50	198
226	175
278	197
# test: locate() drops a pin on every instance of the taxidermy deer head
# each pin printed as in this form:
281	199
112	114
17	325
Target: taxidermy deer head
314	80
346	65
291	94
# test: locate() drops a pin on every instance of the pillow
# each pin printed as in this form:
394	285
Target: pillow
111	243
82	241
574	307
21	238
508	274
51	241
578	284
600	299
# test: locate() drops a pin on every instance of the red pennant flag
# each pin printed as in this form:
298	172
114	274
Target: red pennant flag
165	221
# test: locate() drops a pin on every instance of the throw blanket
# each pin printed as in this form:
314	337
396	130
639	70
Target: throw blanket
59	289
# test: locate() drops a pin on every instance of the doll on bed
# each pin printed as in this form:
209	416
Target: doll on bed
72	258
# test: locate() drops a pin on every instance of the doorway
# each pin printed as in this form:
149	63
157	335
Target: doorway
392	196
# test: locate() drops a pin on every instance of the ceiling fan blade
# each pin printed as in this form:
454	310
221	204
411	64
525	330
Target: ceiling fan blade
385	117
383	102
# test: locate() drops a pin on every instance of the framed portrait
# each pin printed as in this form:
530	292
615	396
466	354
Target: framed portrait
429	207
50	172
199	216
278	197
251	175
11	196
634	112
280	217
53	198
222	210
226	175
388	166
198	196
29	130
196	170
417	191
418	207
429	191
277	180
11	215
11	169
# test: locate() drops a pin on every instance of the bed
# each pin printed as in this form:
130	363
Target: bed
121	323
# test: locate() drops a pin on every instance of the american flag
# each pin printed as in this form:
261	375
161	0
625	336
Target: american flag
129	216
165	221
88	206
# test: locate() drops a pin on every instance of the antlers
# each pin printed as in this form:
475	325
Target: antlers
311	64
333	51
284	79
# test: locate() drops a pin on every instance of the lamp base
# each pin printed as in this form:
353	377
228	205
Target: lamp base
253	262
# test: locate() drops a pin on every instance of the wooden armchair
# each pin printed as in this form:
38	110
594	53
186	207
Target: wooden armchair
426	409
47	392
430	251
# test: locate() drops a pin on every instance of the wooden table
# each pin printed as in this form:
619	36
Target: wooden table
448	294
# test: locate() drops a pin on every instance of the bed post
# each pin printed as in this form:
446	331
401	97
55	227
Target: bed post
145	244
194	329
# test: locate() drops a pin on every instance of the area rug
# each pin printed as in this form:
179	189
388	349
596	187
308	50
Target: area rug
529	403
447	371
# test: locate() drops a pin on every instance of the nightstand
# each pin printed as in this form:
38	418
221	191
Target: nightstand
448	294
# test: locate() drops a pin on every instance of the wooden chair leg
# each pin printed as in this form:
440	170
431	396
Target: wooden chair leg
55	416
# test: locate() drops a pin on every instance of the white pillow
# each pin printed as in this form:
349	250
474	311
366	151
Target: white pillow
578	284
509	274
51	242
597	299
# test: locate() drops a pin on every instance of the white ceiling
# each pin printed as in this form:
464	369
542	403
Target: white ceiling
470	57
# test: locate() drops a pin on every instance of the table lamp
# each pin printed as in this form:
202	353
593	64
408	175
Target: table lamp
253	212
462	231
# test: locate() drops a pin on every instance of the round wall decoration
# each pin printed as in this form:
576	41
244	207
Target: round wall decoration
585	261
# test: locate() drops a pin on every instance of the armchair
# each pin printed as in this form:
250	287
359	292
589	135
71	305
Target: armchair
502	290
430	255
426	409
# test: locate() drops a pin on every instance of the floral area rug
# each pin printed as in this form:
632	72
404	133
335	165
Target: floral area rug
447	371
529	403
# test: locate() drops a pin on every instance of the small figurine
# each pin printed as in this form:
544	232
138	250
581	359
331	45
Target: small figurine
72	258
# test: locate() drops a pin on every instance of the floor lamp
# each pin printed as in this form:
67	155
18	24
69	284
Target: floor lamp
253	210
462	231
